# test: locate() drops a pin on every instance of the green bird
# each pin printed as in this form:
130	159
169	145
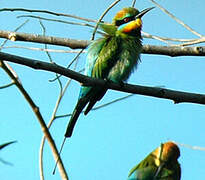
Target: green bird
112	58
160	164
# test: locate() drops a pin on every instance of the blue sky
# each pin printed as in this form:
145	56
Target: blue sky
108	142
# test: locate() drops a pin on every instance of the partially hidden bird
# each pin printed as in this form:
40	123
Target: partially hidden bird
160	164
112	58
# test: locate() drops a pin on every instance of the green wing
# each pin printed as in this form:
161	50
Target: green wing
110	29
107	58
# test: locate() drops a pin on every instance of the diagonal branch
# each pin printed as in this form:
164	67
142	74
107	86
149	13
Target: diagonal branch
39	117
176	96
101	17
176	19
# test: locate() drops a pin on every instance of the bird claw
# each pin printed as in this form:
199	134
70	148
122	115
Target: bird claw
107	81
121	83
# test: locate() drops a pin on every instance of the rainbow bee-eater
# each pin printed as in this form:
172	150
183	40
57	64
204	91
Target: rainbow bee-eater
112	58
160	164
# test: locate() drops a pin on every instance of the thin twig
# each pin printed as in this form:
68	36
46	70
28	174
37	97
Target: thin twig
47	12
190	146
5	162
112	102
147	35
53	117
69	65
101	17
186	42
49	56
23	24
7	85
155	37
43	49
41	171
176	19
6	144
2	146
133	3
5	63
196	41
56	20
98	107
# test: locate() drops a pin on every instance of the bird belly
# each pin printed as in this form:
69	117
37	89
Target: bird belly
127	61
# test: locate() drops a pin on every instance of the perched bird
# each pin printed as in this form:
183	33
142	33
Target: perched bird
112	58
160	164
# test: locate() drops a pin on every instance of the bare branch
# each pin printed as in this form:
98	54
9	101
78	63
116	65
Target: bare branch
174	51
57	20
16	36
74	44
176	19
176	96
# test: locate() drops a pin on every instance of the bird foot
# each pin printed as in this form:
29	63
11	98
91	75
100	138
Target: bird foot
121	83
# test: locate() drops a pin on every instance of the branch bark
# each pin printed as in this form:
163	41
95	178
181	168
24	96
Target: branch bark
81	44
176	96
17	36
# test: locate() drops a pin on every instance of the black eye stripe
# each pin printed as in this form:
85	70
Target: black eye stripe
123	21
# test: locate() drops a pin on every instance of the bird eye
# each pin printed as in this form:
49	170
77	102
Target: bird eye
127	19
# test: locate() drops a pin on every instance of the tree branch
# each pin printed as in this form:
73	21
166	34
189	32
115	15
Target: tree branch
81	44
176	96
174	51
16	36
35	109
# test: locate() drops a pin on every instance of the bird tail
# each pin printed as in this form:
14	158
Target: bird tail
82	102
96	98
92	97
89	107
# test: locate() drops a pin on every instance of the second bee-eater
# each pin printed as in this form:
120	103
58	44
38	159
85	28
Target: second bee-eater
160	164
112	57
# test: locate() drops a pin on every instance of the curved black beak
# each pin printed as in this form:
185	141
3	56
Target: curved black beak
142	13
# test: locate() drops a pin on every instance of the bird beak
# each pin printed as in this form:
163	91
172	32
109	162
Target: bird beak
142	13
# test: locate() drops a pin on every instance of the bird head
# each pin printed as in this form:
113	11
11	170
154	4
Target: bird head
128	20
167	152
